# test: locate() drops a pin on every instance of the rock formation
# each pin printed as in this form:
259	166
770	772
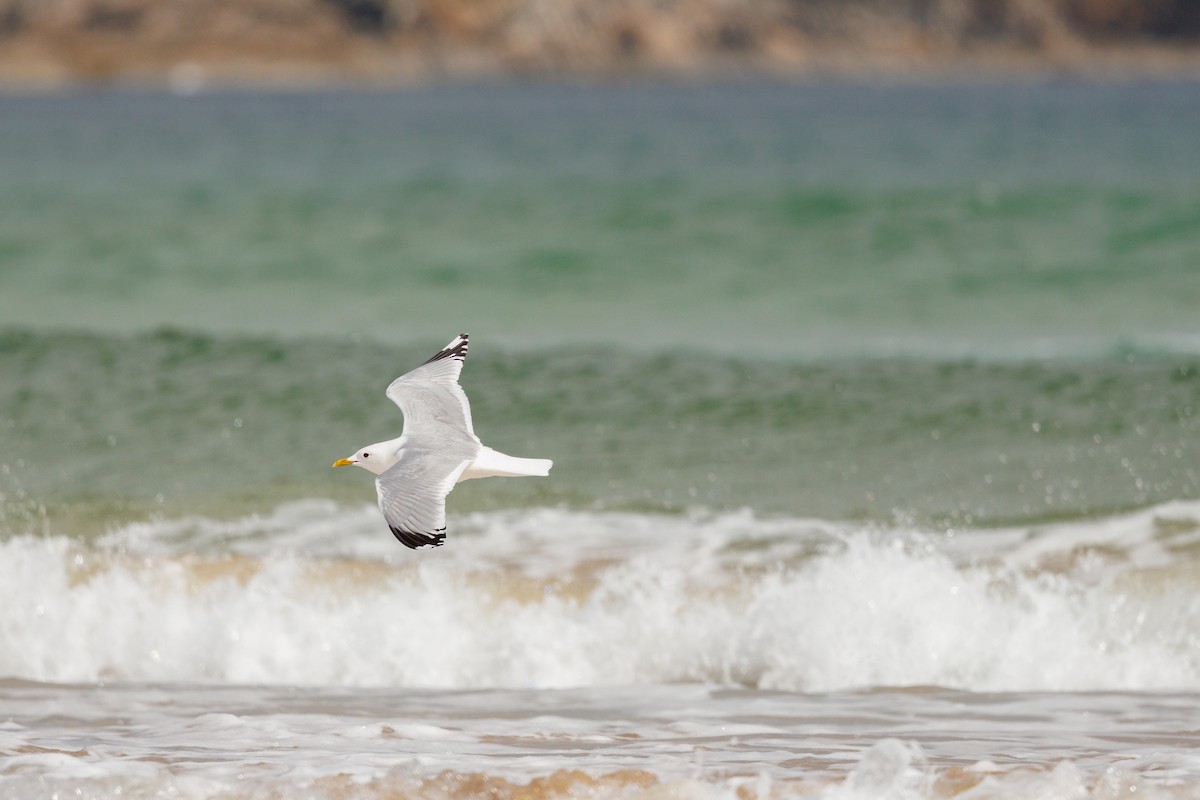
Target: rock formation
188	42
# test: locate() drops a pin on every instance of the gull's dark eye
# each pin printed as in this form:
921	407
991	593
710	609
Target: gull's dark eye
366	455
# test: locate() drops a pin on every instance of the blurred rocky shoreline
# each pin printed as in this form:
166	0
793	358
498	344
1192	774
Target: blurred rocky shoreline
190	44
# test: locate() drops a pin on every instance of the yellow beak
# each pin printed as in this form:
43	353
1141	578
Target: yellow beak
343	462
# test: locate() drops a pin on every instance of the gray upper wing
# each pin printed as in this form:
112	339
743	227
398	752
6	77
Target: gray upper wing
430	396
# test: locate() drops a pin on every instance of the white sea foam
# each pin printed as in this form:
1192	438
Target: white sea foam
189	740
315	594
889	770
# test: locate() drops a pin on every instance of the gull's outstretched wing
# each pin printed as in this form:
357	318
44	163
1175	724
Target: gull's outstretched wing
412	492
430	396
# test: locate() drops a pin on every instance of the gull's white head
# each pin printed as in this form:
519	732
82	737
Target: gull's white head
373	458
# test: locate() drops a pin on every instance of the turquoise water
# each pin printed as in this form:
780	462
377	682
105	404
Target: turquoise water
204	423
960	303
873	413
830	220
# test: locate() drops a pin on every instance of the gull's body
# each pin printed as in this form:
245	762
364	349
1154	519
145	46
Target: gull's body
438	449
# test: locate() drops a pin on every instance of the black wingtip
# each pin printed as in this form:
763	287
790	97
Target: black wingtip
457	349
414	540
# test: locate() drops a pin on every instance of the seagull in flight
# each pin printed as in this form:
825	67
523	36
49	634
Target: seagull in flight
438	448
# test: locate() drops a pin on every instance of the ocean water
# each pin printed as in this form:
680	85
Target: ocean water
873	412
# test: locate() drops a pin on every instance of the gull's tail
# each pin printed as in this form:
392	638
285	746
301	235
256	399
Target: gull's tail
493	464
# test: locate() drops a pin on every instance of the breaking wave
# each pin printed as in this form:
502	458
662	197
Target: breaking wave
315	594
